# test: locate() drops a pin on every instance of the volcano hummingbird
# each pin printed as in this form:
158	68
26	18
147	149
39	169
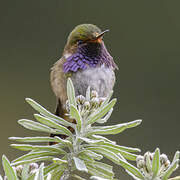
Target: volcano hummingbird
87	62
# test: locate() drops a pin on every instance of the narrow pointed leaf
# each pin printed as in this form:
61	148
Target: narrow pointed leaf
90	153
126	155
34	139
156	162
43	111
101	112
39	174
35	126
127	166
35	154
123	148
133	176
176	156
88	93
102	167
98	137
25	171
95	172
85	157
107	153
65	142
175	178
90	141
77	177
115	129
108	98
80	165
59	161
27	147
50	168
49	122
170	170
58	173
148	162
76	115
97	178
48	176
108	115
9	171
45	158
71	92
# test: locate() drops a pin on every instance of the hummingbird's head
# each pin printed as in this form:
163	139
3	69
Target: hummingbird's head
85	48
85	33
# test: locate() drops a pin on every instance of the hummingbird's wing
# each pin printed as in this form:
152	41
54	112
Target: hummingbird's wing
58	83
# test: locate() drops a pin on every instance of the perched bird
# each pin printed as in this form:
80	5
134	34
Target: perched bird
87	62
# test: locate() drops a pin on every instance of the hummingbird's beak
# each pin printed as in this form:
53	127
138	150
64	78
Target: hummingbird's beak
101	34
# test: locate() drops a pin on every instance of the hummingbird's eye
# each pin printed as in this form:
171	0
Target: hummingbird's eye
79	42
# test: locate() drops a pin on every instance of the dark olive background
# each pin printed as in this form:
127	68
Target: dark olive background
144	40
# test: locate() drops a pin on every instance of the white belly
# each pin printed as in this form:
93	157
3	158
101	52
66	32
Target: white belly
100	79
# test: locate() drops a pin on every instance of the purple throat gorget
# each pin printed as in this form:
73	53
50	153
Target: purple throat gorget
88	55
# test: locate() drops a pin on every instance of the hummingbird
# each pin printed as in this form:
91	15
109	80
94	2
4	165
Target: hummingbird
87	62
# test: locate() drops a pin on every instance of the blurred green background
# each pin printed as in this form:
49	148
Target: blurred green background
144	40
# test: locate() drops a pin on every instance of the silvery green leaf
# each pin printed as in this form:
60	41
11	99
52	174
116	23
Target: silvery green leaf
58	171
77	177
170	170
123	148
88	93
33	139
108	115
98	137
35	126
134	177
108	98
115	150
102	111
25	171
50	168
97	178
80	165
57	174
91	154
95	172
48	176
128	167
90	141
85	157
175	178
9	171
1	177
43	111
148	162
35	154
102	167
105	152
50	123
59	161
115	129
39	175
76	115
31	177
33	160
71	93
156	162
27	147
176	156
66	142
